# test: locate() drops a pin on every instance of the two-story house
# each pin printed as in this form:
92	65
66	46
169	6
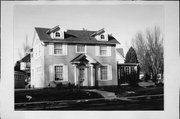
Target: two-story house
81	57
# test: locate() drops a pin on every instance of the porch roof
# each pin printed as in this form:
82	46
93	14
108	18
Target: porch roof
128	64
84	57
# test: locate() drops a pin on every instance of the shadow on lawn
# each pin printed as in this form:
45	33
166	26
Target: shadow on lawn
53	94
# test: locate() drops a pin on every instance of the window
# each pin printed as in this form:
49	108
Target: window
57	34
102	37
127	70
103	50
103	73
58	49
80	49
58	73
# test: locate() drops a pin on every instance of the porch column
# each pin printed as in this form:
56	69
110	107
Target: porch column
91	70
75	74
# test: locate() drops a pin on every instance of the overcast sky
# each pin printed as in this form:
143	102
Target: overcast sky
122	21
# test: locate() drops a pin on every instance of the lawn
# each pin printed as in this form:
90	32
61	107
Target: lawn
143	91
53	94
133	91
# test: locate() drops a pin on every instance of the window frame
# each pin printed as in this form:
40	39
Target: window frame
102	37
109	72
105	72
103	50
57	49
57	36
61	72
85	48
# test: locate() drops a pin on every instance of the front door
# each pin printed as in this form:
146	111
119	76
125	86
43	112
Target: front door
81	75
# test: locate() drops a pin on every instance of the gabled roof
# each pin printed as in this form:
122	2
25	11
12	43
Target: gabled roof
74	36
83	58
98	32
120	51
56	28
26	58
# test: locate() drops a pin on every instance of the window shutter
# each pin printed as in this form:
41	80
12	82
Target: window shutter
51	73
51	49
64	49
109	72
65	72
97	50
99	73
109	50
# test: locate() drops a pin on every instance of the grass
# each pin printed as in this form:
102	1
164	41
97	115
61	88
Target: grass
145	91
137	91
53	95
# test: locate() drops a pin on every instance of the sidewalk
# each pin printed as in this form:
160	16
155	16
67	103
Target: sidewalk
105	94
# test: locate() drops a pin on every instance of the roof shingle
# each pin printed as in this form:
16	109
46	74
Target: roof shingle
74	36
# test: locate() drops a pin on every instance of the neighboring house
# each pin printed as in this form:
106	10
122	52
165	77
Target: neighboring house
120	55
80	57
127	71
19	76
22	71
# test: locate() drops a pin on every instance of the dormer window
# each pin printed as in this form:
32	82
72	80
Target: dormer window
56	32
57	35
102	37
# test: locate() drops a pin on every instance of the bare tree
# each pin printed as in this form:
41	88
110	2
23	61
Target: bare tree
149	49
25	48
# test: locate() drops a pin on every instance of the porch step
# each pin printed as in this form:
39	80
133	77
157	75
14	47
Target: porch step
105	94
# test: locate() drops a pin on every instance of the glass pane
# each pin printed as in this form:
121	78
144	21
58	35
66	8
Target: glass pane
102	36
103	50
58	46
58	49
80	48
103	72
58	72
57	34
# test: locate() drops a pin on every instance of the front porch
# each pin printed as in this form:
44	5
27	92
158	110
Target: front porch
85	70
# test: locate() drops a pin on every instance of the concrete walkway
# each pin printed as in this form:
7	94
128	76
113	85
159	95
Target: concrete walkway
105	94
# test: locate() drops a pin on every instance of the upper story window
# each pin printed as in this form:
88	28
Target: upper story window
80	48
58	49
102	37
57	35
103	50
